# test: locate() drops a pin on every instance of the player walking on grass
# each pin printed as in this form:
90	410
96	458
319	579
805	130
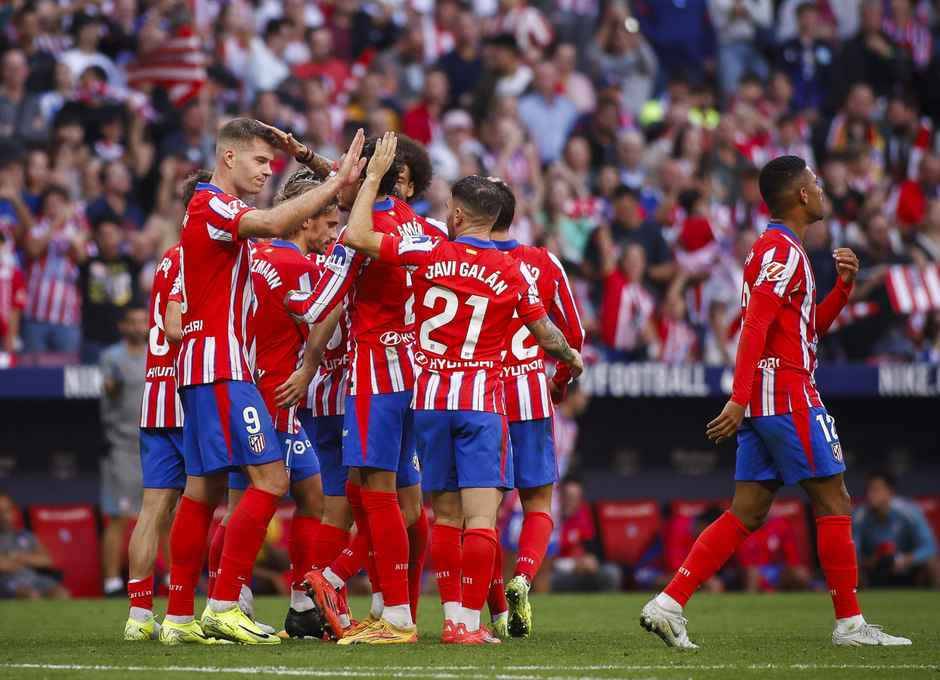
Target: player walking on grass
466	292
225	421
785	435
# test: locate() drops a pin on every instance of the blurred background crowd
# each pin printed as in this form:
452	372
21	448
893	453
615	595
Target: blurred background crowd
631	132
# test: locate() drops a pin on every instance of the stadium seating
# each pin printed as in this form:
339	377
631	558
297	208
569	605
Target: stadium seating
627	528
690	508
70	533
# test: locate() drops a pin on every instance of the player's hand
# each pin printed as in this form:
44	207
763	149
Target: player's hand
557	391
846	264
383	157
291	392
286	142
576	365
351	163
727	423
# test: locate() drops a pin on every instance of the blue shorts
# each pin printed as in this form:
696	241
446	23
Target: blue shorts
299	458
226	425
378	432
789	447
326	432
533	453
161	457
461	449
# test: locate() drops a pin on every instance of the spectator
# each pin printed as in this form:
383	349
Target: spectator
568	233
723	294
809	62
787	24
924	247
464	63
356	28
738	26
871	56
115	199
894	542
52	319
26	567
422	121
572	83
908	200
16	217
266	66
192	141
548	115
504	74
457	141
907	138
332	71
28	33
628	307
20	113
910	34
86	32
769	560
577	567
123	366
855	123
526	24
682	36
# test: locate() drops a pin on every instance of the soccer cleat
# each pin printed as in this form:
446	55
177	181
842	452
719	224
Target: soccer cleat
520	612
865	635
303	624
187	634
381	633
355	627
235	626
668	625
501	627
327	601
135	630
462	636
447	635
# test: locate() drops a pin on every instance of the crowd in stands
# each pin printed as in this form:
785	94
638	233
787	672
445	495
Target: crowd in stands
632	134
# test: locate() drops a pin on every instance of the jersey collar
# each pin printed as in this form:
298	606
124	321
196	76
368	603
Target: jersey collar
506	245
475	242
278	243
387	204
786	230
206	186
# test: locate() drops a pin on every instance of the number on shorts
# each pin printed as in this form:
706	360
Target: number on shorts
252	422
828	428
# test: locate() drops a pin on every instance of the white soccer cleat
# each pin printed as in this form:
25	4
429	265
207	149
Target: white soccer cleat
865	635
668	625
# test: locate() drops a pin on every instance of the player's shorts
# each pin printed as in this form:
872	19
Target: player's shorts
461	449
226	425
378	431
533	453
789	447
299	458
326	433
121	491
161	457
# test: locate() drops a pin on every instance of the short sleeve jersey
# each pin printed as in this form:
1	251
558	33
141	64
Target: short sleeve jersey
527	395
277	267
160	406
376	296
466	292
217	296
777	266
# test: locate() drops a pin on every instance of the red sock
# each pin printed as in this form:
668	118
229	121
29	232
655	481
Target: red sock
301	547
389	544
496	600
476	567
417	551
187	551
712	549
215	555
243	539
838	561
140	593
533	543
446	551
360	550
330	544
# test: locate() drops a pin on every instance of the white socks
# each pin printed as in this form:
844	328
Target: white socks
501	615
668	603
398	615
221	606
470	618
452	612
378	605
849	623
113	584
333	579
140	614
299	601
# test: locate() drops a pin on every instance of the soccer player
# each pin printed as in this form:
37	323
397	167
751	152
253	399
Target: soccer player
277	266
378	427
785	435
529	409
225	421
161	437
466	292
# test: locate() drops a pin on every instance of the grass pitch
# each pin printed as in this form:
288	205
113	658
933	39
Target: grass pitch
742	637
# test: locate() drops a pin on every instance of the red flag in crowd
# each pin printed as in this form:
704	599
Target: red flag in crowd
177	64
912	289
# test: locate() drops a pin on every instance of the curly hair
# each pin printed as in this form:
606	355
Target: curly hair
415	156
390	178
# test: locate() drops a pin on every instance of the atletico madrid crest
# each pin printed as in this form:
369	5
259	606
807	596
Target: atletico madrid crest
837	451
256	442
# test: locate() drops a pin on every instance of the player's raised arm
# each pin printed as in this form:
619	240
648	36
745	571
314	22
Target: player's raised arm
360	231
289	215
303	154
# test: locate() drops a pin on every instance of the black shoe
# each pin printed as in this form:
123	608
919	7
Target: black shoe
303	624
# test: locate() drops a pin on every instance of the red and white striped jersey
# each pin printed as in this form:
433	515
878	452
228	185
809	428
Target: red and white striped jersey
326	395
277	267
217	295
524	381
527	24
160	406
784	380
626	310
466	292
376	296
52	280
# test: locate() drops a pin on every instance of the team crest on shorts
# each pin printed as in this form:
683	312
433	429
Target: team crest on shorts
256	442
416	462
837	451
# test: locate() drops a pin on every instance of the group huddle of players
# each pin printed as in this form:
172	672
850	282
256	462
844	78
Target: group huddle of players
354	370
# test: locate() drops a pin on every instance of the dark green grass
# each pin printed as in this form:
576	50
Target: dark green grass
576	636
